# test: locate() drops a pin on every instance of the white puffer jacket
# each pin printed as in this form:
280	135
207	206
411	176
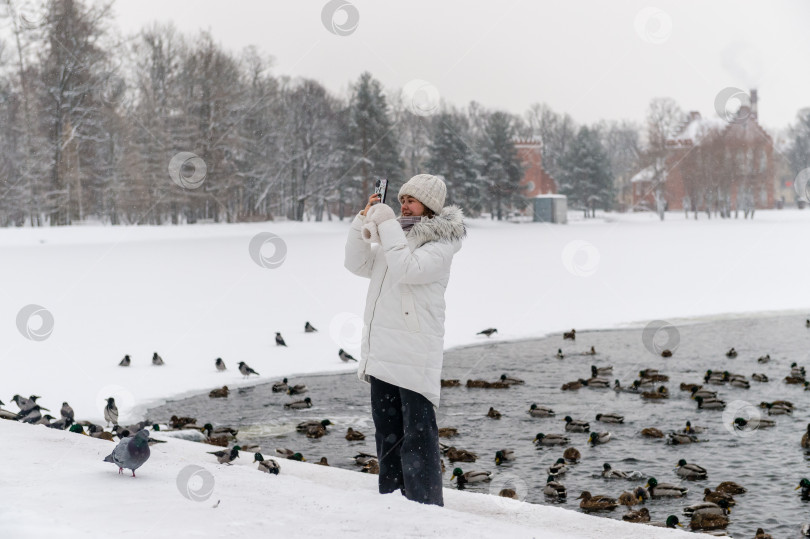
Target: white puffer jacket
403	331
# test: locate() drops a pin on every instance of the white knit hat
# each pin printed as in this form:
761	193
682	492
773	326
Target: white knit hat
427	189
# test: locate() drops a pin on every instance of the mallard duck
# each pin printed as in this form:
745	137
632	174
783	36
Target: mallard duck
671	522
478	383
730	487
601	371
653	375
572	455
596	503
470	477
710	404
597	383
304	426
511	380
493	413
450	383
554	489
447	432
759	377
540	411
664	490
795	380
280	387
219	393
714	378
289	454
703	393
806	438
652	432
570	335
572	425
741	423
764	359
677	438
690	471
609	473
323	462
666	352
629	499
610	418
641	383
299	405
266	466
597	438
570	386
617	387
558	468
591	352
779	409
504	455
642	515
690	387
762	535
559	354
795	370
354	435
371	467
738	383
297	389
508	493
806	526
550	439
689	429
804	484
660	393
715	496
460	455
361	459
731	353
720	508
708	521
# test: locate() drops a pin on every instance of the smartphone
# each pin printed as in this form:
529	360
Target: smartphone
380	187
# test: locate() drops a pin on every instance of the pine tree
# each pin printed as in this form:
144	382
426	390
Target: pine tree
452	157
586	176
501	169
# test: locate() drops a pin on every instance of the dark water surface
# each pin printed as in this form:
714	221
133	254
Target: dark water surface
768	462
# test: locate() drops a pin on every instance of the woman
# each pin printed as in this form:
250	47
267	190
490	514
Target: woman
403	332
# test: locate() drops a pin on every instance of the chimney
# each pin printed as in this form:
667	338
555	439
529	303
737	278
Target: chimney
754	104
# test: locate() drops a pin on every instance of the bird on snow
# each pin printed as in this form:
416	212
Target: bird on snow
309	328
125	362
280	340
245	370
66	410
220	364
345	356
111	411
488	332
226	456
131	452
157	360
267	466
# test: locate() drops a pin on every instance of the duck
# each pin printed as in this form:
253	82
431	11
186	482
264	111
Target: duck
730	487
618	388
666	352
690	387
731	353
601	371
323	462
570	335
806	525
804	484
742	384
304	426
554	489
371	467
540	411
664	490
806	438
795	370
508	493
598	383
361	459
297	389
450	383
477	383
570	386
558	468
714	378
609	473
610	418
596	503
660	393
460	455
280	387
710	404
559	354
779	409
267	466
550	439
759	377
703	393
572	425
597	438
511	380
591	352
470	477
741	423
354	435
690	471
764	359
642	515
219	393
708	521
760	534
651	432
641	383
653	375
299	405
671	522
639	495
715	496
572	455
290	454
720	508
493	413
677	438
689	429
504	455
447	432
795	380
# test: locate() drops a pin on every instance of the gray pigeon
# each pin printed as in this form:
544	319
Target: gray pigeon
345	356
220	364
309	328
125	362
131	452
245	370
280	340
111	411
157	360
66	411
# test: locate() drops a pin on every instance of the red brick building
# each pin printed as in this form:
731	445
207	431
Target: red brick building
535	178
712	165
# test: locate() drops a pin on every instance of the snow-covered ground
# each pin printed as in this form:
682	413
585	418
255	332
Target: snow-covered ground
196	293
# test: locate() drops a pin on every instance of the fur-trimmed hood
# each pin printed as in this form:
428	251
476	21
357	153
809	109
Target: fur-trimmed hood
447	226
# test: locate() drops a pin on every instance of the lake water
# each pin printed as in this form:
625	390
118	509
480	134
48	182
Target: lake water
768	462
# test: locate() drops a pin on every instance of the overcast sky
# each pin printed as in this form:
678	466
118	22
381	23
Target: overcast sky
594	59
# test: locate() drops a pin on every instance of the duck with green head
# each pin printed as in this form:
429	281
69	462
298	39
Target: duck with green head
267	466
597	438
463	478
540	411
664	490
576	425
504	455
558	468
804	484
554	489
690	471
671	522
550	439
609	473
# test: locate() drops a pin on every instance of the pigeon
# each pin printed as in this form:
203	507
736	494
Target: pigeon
269	465
488	332
111	411
219	393
280	340
226	457
309	328
157	360
66	410
245	370
220	364
125	362
131	452
345	356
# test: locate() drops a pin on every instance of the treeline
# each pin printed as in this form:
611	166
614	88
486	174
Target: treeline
166	128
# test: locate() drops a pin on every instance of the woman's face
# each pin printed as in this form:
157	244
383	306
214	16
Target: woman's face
411	206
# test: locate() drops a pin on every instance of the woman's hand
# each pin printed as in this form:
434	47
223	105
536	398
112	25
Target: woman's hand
373	199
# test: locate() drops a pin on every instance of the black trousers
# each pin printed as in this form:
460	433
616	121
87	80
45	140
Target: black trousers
407	443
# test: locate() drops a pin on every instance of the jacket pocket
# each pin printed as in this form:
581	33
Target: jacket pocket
409	312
